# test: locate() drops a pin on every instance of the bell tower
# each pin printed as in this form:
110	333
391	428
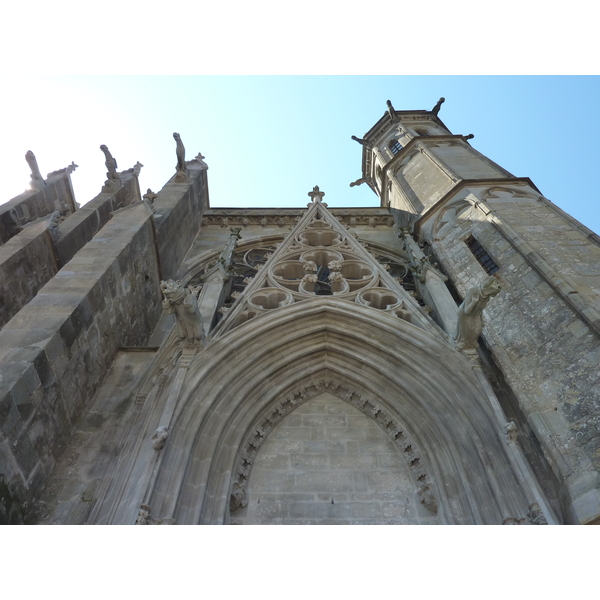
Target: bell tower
541	340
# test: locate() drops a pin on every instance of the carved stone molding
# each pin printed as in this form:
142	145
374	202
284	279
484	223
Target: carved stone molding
269	420
493	193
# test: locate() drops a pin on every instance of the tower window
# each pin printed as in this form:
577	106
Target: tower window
395	146
485	260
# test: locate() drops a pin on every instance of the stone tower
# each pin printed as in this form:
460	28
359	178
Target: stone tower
430	360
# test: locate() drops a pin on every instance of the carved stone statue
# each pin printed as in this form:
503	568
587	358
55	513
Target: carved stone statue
535	515
184	306
181	176
159	438
470	321
113	182
238	498
56	218
362	142
511	431
391	110
143	517
436	109
148	199
37	181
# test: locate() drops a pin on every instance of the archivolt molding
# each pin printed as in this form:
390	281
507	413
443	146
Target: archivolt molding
269	420
228	388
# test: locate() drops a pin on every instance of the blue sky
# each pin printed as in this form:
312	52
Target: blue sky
269	139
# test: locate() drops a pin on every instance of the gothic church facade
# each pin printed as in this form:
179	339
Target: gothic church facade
431	360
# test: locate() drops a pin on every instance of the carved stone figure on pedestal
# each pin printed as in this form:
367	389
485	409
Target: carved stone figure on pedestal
470	321
148	199
37	181
182	172
112	183
436	109
362	142
184	306
391	110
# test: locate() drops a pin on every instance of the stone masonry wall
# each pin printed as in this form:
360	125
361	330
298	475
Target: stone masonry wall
328	463
80	227
33	205
545	349
31	258
27	262
179	207
58	348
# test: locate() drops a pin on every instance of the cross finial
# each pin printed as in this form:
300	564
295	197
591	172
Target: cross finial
316	194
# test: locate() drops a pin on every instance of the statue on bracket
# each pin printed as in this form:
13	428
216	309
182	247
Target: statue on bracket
436	109
391	111
113	182
362	142
182	303
182	173
37	181
470	321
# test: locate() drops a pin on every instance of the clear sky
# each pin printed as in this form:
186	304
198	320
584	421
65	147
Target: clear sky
269	139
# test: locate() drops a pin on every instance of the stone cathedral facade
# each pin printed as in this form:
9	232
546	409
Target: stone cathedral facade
431	360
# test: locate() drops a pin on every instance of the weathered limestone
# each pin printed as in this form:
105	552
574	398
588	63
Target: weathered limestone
27	262
30	259
326	373
78	229
57	349
179	208
543	330
37	203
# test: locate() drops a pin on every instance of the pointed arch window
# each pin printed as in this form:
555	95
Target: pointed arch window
395	146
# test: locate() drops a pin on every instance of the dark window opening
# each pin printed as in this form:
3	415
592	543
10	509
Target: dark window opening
395	146
485	260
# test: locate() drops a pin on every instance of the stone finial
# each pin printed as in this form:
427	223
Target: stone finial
316	195
37	181
200	160
150	196
182	173
436	109
113	182
470	320
362	142
184	306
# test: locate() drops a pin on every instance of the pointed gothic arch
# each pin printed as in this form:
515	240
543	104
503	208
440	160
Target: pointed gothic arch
414	377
